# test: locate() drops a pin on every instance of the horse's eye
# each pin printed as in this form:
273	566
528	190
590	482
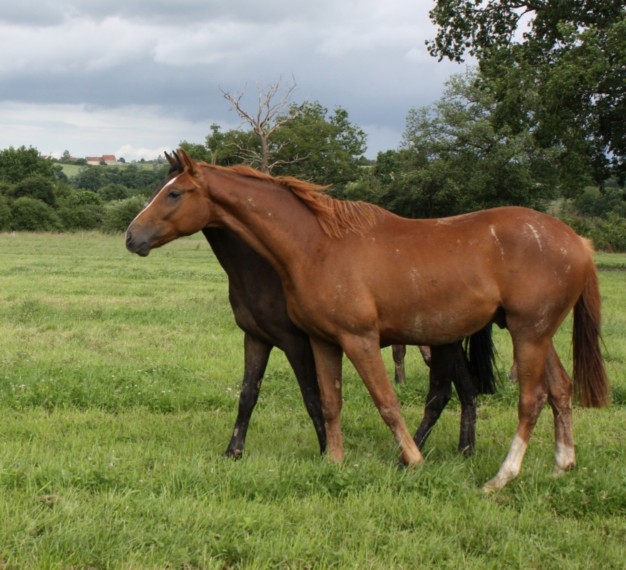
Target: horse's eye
174	194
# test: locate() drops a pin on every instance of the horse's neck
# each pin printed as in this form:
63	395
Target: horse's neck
247	272
272	221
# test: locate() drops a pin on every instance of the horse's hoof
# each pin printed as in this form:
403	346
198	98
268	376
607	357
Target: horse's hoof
493	485
234	453
560	471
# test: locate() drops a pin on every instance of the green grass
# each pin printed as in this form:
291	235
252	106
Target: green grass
118	391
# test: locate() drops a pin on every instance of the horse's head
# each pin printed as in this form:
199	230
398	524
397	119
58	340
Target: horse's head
177	208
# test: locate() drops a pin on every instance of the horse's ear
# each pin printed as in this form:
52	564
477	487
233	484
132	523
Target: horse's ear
186	162
174	160
171	159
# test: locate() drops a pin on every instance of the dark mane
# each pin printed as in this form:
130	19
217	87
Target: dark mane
337	217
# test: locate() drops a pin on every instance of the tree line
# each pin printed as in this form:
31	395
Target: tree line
452	159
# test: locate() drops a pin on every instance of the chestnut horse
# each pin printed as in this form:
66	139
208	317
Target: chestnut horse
258	303
357	277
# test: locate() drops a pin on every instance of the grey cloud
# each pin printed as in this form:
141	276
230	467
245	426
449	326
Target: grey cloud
366	57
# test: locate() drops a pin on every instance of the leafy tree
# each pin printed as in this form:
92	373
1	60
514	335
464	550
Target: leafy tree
90	178
198	151
321	148
20	163
228	148
454	158
307	143
563	78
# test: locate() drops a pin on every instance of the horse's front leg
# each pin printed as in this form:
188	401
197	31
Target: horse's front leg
256	355
364	353
300	356
328	365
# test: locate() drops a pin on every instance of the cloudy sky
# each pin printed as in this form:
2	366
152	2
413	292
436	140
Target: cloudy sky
133	78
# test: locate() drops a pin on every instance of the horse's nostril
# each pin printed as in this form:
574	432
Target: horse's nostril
129	238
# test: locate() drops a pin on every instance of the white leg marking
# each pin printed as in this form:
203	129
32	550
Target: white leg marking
511	466
565	458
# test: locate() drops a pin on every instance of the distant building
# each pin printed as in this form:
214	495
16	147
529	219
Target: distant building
108	159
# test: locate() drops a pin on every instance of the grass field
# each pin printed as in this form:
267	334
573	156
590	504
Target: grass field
118	392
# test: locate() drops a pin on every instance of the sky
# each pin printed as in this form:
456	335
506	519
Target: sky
134	78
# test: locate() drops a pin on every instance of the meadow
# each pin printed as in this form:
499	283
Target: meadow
118	393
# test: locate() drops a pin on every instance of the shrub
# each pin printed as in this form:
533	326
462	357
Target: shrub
30	214
5	214
607	234
600	203
118	215
37	187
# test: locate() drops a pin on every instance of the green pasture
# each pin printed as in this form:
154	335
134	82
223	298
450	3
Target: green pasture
119	382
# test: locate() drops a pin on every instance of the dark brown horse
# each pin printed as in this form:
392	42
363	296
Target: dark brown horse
357	277
259	307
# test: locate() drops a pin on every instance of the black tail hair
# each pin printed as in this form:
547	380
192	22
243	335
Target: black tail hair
479	351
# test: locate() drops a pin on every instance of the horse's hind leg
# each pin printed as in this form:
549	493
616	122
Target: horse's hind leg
467	392
398	352
560	399
531	361
256	355
439	390
425	351
300	355
448	364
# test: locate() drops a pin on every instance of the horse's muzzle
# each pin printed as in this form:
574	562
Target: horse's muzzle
138	246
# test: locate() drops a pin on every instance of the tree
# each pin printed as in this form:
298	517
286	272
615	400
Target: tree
268	117
228	148
197	151
455	158
571	59
17	164
307	142
317	147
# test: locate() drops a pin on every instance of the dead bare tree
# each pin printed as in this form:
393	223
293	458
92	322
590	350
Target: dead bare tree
271	114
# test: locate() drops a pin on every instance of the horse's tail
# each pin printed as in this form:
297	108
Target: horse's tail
480	355
591	384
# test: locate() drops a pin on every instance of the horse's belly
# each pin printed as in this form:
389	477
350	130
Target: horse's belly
435	323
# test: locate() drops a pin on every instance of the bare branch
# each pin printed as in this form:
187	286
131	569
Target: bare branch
270	115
